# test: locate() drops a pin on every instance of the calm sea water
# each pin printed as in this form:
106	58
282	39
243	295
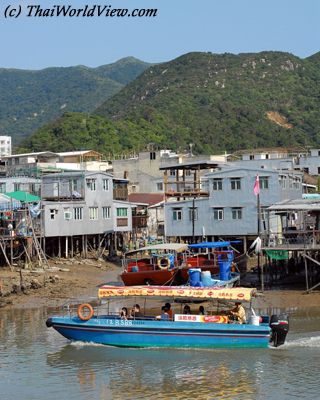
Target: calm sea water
37	363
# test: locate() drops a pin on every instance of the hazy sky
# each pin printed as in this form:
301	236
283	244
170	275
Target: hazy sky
181	26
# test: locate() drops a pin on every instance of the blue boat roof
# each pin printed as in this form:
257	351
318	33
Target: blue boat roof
213	245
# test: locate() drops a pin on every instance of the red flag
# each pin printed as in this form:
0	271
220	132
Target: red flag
256	188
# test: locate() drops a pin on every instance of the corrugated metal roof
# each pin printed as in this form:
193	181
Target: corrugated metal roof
146	198
296	205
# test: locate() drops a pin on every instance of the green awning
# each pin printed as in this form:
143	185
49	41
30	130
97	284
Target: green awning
277	254
23	196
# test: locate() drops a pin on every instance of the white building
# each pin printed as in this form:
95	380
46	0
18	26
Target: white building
5	146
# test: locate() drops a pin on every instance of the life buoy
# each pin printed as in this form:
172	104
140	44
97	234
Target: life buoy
85	312
163	263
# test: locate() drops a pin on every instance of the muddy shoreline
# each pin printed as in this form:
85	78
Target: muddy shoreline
81	278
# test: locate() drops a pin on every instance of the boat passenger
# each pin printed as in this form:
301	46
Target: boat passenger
170	312
135	312
124	313
165	314
238	313
201	311
186	309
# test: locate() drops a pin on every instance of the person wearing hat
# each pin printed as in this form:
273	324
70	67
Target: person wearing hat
238	313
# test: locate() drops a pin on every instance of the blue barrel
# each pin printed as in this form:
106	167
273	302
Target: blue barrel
195	277
206	278
225	270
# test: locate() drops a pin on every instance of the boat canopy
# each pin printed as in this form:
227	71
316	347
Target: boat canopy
212	245
186	292
178	247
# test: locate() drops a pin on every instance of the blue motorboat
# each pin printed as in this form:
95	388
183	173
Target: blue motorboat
213	330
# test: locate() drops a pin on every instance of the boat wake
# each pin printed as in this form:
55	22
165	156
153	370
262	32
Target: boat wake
79	344
311	341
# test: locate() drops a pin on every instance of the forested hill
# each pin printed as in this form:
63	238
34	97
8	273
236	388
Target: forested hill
29	99
217	102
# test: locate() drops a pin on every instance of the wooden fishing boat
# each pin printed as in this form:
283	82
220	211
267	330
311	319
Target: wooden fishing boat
184	330
169	263
152	265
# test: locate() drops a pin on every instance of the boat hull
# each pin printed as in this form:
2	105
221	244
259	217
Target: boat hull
158	277
142	333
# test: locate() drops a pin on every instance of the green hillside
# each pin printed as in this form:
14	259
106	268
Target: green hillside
29	99
217	102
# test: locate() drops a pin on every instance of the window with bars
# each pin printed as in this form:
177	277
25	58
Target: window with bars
122	212
105	184
106	212
93	213
78	213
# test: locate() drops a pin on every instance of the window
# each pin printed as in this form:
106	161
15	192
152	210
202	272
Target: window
105	184
306	170
53	212
193	213
218	214
290	182
263	214
93	213
74	185
177	214
122	212
67	214
152	155
187	172
282	181
2	187
106	212
78	213
91	184
217	184
236	213
235	183
172	172
318	170
251	157
296	183
160	186
264	182
16	187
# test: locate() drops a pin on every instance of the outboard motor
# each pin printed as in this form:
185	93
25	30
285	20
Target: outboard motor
279	325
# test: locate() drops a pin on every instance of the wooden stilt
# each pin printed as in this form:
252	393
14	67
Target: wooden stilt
59	247
71	238
66	249
306	270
